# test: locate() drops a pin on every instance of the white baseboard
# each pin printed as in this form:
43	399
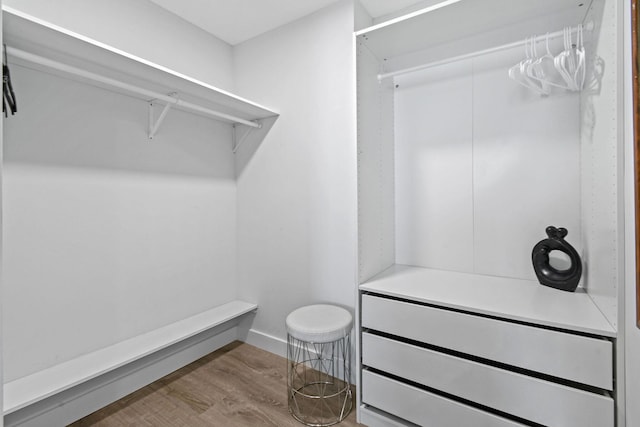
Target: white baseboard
278	346
264	341
84	399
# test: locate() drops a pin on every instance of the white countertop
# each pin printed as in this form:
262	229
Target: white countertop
514	299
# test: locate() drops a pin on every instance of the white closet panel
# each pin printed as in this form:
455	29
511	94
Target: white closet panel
601	158
376	213
434	193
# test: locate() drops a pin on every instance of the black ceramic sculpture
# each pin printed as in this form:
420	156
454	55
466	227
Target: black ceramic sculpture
566	280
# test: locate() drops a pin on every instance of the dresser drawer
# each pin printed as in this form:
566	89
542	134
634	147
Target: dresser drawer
422	407
540	401
573	357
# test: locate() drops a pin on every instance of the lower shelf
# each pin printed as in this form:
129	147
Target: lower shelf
33	388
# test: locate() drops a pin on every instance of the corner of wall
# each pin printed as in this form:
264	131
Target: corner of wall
296	197
361	18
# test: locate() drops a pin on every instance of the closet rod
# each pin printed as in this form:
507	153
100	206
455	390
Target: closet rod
26	56
553	35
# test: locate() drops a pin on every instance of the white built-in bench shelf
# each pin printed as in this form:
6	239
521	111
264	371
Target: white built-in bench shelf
36	387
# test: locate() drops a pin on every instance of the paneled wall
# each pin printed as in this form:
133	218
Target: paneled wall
483	165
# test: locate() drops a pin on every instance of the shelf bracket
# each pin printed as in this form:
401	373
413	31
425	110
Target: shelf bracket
239	139
154	125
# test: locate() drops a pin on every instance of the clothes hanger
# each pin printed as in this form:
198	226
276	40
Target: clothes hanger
515	72
561	61
519	72
9	97
545	69
535	70
566	70
581	66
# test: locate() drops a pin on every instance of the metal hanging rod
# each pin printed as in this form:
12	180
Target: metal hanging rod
151	95
553	35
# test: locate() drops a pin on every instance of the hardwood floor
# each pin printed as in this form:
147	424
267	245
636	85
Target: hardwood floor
238	385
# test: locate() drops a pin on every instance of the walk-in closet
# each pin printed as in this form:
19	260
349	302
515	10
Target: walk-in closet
189	188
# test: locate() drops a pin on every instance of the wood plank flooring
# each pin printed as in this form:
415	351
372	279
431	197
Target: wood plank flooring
238	385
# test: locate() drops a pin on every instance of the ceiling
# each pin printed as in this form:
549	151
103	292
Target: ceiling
239	20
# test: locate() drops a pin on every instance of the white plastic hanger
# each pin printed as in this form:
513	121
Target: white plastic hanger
519	72
581	66
535	70
566	70
545	70
561	61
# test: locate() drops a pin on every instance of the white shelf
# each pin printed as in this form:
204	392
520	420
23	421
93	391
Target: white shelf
40	385
41	38
514	299
477	24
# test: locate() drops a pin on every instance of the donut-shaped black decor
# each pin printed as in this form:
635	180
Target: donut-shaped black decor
566	280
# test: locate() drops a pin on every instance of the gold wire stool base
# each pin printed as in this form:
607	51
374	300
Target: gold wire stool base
319	381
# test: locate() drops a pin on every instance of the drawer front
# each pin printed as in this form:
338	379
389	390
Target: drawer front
564	355
424	408
540	401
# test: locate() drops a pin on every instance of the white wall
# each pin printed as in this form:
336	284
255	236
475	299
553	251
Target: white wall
361	18
296	207
144	29
108	234
296	197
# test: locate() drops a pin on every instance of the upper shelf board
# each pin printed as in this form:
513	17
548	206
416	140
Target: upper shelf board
38	37
479	23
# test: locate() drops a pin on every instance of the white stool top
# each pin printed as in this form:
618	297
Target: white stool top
319	323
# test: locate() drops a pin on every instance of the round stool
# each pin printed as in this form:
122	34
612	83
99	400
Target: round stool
319	364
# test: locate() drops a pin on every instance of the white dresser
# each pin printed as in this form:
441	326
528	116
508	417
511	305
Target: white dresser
453	349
